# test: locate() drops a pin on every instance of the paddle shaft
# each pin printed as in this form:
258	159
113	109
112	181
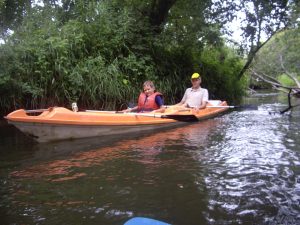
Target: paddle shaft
253	107
221	106
250	107
179	117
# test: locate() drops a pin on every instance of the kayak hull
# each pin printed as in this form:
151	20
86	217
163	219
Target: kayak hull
42	132
58	123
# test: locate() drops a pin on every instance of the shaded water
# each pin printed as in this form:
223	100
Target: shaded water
240	168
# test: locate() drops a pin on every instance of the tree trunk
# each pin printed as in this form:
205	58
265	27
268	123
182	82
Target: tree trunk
251	57
159	13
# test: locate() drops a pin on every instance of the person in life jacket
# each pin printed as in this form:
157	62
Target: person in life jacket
149	100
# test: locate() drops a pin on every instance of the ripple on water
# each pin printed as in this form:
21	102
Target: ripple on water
252	172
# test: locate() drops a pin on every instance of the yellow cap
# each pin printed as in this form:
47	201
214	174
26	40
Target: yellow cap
195	76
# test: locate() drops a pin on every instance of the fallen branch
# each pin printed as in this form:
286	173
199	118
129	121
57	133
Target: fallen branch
295	91
291	91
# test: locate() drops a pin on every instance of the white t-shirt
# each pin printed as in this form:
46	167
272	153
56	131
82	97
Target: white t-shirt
195	97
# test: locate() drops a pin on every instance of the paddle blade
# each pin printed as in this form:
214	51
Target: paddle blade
183	118
144	221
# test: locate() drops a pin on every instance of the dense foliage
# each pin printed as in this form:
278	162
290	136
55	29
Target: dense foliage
99	53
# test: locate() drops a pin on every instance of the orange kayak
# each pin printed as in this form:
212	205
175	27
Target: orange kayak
58	123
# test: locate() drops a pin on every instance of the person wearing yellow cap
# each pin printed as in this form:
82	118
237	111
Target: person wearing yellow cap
195	97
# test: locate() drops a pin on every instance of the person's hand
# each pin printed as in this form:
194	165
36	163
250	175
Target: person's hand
158	111
185	105
126	110
196	109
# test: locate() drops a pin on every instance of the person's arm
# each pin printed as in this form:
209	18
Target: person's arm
160	102
161	109
204	99
130	109
203	105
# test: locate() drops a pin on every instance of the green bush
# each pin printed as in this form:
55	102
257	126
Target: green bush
286	80
220	68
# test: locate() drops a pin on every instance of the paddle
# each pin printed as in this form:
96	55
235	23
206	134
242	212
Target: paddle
144	221
249	107
179	117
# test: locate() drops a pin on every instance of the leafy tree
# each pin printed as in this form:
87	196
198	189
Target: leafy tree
12	13
262	19
278	62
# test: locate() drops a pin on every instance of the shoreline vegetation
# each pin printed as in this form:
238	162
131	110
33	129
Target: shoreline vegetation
98	53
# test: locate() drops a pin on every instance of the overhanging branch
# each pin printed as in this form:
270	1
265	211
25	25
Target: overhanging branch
276	84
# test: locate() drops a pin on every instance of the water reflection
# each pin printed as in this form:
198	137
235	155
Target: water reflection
152	150
112	183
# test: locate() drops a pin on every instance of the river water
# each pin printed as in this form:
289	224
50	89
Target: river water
240	168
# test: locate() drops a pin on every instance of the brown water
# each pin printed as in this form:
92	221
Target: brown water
240	168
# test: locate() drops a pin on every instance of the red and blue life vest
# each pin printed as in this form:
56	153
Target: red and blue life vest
147	103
